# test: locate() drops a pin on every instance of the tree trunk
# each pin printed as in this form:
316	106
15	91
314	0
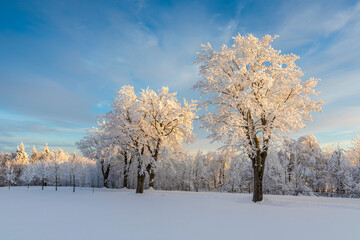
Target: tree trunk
150	168
42	184
74	183
106	183
105	174
258	184
140	183
56	182
222	174
126	169
140	175
125	179
258	167
151	179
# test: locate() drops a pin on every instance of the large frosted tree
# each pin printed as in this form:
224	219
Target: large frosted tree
147	122
165	123
257	95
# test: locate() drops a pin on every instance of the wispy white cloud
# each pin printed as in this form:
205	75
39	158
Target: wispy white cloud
81	54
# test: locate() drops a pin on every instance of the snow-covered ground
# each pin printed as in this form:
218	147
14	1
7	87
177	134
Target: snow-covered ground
121	214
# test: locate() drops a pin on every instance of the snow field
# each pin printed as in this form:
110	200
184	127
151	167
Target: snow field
32	214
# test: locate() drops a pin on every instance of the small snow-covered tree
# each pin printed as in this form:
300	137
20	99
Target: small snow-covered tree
41	171
21	157
96	145
20	161
354	151
310	159
274	176
336	172
28	174
353	181
73	169
199	171
10	173
46	149
257	94
4	158
57	158
287	155
303	165
238	174
34	155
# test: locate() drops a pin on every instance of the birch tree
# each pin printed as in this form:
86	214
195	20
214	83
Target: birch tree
257	95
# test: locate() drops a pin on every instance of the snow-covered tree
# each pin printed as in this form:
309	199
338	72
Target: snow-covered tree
21	157
274	175
96	145
28	174
287	155
73	169
239	174
20	161
34	154
55	165
257	94
41	171
146	123
303	166
336	171
353	180
354	151
46	149
165	122
10	173
312	163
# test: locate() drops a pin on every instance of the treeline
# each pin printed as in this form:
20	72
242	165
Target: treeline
55	168
295	167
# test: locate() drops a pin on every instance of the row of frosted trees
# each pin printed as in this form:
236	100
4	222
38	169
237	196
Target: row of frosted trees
55	168
296	167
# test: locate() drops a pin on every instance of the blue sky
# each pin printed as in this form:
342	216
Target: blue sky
61	62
